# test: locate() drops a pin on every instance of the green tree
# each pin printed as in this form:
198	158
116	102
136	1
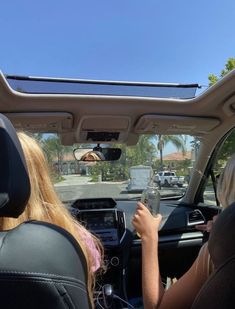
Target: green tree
54	150
228	148
178	141
140	154
229	145
229	66
38	137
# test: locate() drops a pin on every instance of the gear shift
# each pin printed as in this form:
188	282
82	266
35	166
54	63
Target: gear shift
107	290
109	296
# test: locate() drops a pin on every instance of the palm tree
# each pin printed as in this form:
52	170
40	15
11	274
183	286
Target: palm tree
177	140
145	150
54	150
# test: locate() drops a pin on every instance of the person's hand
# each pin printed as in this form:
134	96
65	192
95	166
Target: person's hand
206	227
145	224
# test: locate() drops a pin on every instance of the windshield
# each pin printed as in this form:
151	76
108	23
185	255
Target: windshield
166	160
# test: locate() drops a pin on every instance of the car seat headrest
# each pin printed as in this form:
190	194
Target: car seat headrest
221	241
14	179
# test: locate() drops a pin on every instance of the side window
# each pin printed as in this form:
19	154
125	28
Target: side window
225	152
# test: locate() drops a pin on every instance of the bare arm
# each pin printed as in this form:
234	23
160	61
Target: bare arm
181	294
153	289
147	226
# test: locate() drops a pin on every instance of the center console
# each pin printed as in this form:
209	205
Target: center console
102	218
108	224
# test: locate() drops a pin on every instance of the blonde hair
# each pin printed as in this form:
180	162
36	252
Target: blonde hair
90	156
226	184
45	205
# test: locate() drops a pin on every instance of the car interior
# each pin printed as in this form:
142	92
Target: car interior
94	113
222	254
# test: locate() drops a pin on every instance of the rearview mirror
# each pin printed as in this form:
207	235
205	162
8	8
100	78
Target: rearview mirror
97	154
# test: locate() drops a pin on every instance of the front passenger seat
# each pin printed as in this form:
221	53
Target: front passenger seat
41	265
219	290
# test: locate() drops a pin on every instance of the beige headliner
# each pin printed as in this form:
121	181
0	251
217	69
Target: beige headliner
72	115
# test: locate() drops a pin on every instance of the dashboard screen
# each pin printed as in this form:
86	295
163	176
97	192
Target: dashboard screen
96	220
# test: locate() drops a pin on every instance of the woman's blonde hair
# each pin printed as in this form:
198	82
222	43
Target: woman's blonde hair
90	156
226	184
45	205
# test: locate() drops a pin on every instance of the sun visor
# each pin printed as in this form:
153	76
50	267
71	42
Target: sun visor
163	124
53	122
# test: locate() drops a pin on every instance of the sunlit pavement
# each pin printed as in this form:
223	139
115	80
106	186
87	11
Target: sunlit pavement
73	180
81	180
75	186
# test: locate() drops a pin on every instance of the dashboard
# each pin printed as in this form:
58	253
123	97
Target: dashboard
99	220
103	218
110	220
94	203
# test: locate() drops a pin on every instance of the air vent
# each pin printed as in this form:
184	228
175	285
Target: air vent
195	217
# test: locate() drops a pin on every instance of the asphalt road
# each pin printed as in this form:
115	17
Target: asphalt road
72	192
76	186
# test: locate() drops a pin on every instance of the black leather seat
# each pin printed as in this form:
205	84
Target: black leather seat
219	290
41	265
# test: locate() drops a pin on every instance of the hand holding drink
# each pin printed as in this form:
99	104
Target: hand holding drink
151	199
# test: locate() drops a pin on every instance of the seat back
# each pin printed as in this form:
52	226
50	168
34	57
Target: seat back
14	180
219	289
41	265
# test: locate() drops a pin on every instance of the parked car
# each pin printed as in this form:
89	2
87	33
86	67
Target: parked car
168	179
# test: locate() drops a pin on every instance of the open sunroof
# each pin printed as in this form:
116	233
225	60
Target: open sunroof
41	85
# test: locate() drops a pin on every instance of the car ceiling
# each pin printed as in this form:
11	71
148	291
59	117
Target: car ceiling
211	114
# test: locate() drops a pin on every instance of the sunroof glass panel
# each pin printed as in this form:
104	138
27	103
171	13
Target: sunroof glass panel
56	86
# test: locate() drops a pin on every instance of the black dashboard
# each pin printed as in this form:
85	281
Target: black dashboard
102	213
111	219
103	218
94	203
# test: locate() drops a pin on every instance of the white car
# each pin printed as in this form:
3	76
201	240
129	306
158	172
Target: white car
168	178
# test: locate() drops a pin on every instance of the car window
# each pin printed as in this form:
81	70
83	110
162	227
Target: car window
226	150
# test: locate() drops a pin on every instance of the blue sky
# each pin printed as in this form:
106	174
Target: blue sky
151	40
159	41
